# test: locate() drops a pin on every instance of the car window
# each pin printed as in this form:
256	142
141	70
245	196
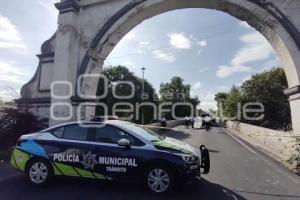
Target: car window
58	132
111	134
71	132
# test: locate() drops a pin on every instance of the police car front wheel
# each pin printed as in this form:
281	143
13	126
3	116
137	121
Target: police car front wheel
159	180
38	172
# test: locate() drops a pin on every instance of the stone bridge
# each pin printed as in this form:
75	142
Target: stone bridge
88	30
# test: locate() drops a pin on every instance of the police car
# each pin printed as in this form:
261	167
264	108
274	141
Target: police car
109	150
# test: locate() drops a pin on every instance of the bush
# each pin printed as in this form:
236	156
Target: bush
14	124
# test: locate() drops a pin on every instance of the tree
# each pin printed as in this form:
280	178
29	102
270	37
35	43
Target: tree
177	91
232	101
220	98
14	123
267	88
121	73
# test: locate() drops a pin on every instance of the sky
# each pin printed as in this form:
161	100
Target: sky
210	50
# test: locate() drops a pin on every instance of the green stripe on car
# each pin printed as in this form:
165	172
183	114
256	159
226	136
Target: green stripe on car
19	159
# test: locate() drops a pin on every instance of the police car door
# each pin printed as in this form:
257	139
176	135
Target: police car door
114	161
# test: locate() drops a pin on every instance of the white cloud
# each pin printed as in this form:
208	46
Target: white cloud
143	47
9	35
203	69
11	80
129	64
10	45
10	73
179	41
244	24
256	48
202	43
129	36
49	6
164	56
197	85
144	43
225	71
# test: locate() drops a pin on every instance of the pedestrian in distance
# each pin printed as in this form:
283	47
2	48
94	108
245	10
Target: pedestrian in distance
193	121
187	122
163	122
207	123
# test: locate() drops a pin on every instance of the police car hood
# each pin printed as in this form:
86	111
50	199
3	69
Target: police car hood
175	146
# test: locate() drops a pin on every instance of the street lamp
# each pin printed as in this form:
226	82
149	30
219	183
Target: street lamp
143	90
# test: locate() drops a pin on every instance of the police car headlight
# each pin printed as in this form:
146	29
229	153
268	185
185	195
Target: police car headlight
187	158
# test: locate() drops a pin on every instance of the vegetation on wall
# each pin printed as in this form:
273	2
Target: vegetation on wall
266	88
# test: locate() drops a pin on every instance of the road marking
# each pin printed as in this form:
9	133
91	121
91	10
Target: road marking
239	141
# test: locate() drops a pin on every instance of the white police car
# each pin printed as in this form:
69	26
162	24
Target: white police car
109	150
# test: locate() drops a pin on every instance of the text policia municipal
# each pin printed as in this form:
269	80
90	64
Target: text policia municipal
131	162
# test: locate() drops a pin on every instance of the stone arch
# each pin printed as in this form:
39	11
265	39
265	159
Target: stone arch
266	17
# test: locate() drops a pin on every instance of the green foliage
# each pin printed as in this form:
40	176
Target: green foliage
220	98
177	91
232	101
294	160
266	88
14	124
121	73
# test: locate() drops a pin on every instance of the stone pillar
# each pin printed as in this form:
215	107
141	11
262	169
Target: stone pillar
295	112
64	83
294	98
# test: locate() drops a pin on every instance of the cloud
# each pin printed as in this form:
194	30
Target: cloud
143	47
10	45
129	36
180	41
202	43
256	48
203	69
164	56
9	35
244	24
10	73
197	85
225	71
49	7
11	80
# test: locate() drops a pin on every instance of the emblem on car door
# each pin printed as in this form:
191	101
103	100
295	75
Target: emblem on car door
89	160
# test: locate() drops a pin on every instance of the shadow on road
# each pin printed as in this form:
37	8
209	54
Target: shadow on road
180	135
85	189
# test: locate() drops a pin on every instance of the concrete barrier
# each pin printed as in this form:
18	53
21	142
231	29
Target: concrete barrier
278	144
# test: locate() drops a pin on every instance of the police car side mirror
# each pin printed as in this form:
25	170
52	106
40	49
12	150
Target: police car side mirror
124	143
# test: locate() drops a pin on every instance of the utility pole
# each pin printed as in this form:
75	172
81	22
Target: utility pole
143	90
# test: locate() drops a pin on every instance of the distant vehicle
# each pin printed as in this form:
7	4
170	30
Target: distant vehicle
109	150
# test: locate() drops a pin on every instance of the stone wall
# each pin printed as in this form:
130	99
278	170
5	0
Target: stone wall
278	144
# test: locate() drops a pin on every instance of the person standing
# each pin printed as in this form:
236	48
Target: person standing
193	121
207	123
163	122
187	121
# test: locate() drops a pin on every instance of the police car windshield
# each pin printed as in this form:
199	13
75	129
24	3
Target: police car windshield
143	132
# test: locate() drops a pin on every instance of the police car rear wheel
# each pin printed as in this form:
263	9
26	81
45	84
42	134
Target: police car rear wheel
159	180
38	172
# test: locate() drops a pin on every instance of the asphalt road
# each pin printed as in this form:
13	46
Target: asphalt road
238	171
